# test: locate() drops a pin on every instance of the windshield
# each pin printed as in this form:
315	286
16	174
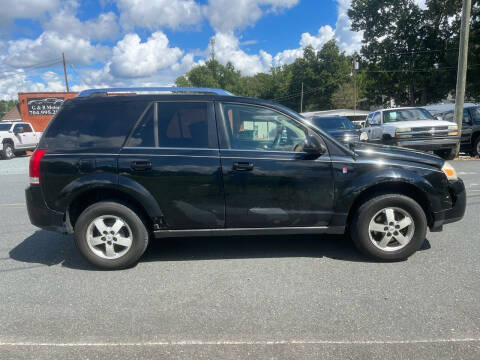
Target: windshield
337	123
5	127
406	115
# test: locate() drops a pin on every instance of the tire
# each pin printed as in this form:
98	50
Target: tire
370	242
449	154
476	147
8	151
126	244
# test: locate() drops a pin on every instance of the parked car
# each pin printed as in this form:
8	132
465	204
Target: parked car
120	171
470	134
413	128
17	138
339	127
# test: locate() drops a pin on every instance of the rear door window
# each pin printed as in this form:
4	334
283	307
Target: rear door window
177	124
143	135
186	125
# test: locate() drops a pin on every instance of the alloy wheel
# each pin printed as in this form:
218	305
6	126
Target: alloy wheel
8	152
391	229
109	237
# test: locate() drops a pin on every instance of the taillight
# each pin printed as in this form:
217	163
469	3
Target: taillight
35	166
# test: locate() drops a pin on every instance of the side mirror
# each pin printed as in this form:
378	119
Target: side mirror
439	117
312	146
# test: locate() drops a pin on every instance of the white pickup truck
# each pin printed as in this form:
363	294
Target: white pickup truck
413	128
16	138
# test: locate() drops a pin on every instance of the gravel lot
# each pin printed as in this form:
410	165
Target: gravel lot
258	297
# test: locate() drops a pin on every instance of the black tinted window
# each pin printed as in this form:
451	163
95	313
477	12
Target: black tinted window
475	112
143	134
185	125
98	123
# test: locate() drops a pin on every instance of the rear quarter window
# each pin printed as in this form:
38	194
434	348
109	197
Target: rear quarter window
90	124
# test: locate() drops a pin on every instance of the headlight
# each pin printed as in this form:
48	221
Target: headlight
400	130
448	170
452	127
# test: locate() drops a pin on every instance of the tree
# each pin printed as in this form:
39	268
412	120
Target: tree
6	106
342	98
410	54
321	73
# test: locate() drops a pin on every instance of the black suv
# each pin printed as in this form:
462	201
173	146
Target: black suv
341	128
117	171
470	141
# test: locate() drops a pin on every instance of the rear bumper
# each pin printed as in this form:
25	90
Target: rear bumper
40	215
456	212
428	144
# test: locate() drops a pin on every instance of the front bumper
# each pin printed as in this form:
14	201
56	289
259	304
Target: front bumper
40	215
428	144
456	212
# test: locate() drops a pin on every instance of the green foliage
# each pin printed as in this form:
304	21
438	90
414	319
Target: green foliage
6	106
321	72
411	54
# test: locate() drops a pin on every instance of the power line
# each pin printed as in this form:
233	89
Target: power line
449	68
45	63
295	95
416	52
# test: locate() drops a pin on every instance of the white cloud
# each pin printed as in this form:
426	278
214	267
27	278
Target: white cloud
23	9
50	45
154	14
228	15
134	58
65	22
348	41
11	83
325	33
53	81
227	48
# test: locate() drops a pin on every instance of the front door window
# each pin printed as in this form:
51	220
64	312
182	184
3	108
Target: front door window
261	129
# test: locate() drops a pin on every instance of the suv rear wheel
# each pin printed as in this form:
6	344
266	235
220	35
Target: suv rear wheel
389	227
110	235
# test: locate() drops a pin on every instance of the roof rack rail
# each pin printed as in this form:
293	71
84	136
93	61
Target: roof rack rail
105	91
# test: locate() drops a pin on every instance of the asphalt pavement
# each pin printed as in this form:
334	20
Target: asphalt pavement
279	297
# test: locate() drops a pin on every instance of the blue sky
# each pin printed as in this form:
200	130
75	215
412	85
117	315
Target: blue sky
151	42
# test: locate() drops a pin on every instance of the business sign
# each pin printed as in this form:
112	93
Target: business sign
44	106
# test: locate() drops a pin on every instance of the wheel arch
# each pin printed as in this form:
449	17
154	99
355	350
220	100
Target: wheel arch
9	141
134	196
393	187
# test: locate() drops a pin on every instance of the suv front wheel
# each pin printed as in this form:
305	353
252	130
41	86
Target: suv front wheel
8	151
389	227
110	235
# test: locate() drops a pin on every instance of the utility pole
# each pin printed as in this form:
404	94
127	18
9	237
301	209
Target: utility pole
355	68
462	65
212	48
65	72
212	57
301	100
